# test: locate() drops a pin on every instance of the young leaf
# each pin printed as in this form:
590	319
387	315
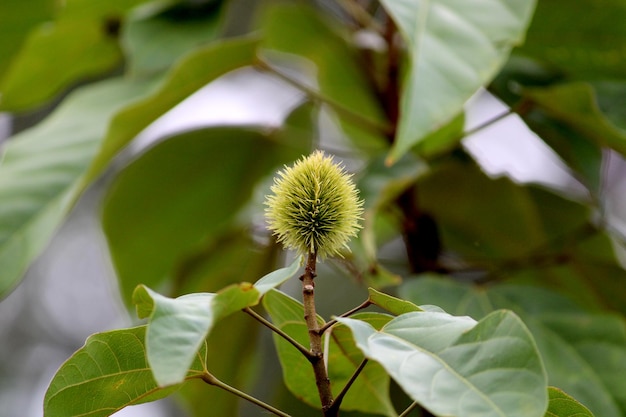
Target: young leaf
392	304
107	374
562	405
454	366
179	326
455	47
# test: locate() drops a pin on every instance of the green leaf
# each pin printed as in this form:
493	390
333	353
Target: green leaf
584	353
178	326
154	42
190	74
454	366
582	48
369	392
17	19
296	31
562	405
107	374
182	194
568	119
391	304
454	48
43	166
508	221
274	279
80	44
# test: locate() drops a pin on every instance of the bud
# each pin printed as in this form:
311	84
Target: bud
315	206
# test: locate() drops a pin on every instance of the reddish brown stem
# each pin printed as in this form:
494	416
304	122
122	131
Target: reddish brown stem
315	339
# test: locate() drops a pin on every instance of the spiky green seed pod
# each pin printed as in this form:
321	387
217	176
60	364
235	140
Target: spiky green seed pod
315	206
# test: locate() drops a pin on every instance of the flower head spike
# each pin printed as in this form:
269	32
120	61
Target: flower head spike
315	206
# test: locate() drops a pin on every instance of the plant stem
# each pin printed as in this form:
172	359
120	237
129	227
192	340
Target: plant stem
279	332
410	408
344	391
331	323
315	339
211	380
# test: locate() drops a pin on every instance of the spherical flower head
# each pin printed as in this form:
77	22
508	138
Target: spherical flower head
315	206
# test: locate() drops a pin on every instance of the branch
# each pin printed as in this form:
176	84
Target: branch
410	408
344	391
315	339
316	96
331	323
211	380
278	331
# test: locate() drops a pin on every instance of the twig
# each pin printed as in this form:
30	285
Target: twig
410	408
279	332
212	380
344	391
331	323
316	96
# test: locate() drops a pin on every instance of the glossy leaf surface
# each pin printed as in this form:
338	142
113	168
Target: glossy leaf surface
454	48
449	364
107	374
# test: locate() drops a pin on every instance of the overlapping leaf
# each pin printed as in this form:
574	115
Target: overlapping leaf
562	405
43	167
454	366
454	48
107	374
179	326
571	341
53	57
369	392
298	31
182	193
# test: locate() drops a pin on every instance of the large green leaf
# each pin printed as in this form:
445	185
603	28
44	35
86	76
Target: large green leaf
182	194
562	405
107	374
80	44
17	18
299	31
454	48
42	167
454	366
508	221
370	390
154	42
568	119
581	38
178	326
190	74
584	353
